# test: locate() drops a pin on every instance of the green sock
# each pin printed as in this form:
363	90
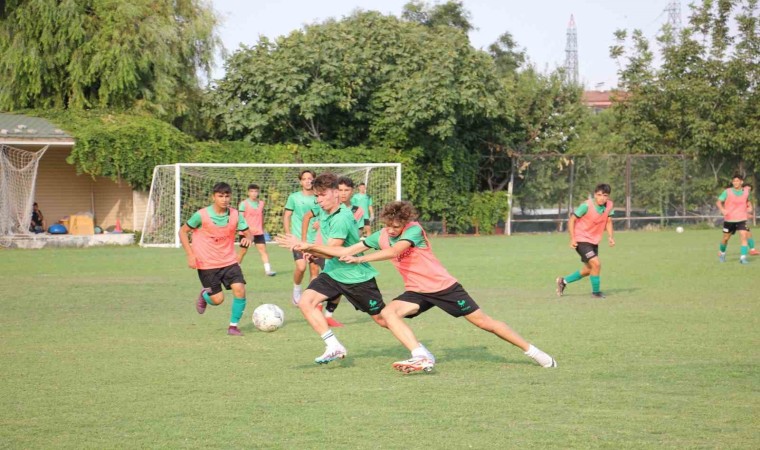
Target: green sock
744	250
573	277
751	242
595	283
208	299
238	306
723	248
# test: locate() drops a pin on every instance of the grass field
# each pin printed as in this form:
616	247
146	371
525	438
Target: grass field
102	348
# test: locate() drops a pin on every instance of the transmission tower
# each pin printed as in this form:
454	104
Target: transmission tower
674	14
571	53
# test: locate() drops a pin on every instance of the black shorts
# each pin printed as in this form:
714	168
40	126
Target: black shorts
215	278
318	261
257	239
455	301
733	227
365	296
587	251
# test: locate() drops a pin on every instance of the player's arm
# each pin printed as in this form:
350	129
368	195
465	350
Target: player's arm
610	239
720	201
328	251
305	224
185	240
286	220
571	230
389	253
371	213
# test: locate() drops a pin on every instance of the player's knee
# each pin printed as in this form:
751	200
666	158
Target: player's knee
380	320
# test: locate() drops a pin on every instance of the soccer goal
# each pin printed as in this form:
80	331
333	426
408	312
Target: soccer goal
18	175
179	190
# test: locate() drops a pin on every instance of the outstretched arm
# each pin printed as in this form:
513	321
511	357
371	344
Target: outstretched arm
327	251
610	239
381	255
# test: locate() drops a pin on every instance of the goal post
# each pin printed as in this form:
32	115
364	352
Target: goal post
179	190
18	178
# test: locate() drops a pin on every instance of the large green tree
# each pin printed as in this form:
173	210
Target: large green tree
79	54
370	80
703	99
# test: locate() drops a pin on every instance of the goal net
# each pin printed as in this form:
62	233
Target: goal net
179	190
18	174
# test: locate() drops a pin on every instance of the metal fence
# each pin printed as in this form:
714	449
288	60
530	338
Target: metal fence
648	190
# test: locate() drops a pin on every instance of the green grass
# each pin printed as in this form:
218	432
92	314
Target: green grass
102	348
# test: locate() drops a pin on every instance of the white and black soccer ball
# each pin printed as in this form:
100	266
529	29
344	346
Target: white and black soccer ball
679	229
268	317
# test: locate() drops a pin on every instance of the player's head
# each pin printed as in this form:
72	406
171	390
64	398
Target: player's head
396	215
362	188
326	190
222	192
306	178
737	180
253	191
602	193
345	189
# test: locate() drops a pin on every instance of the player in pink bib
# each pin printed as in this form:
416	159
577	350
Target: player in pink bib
428	284
734	203
586	226
253	210
212	253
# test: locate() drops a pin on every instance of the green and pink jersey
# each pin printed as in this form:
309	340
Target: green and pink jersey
214	237
592	220
253	211
735	204
418	266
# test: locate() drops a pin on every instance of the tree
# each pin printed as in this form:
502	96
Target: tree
79	54
370	80
449	14
703	100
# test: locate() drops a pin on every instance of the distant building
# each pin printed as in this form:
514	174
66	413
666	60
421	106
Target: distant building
597	101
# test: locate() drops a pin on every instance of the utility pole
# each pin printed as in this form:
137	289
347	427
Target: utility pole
674	14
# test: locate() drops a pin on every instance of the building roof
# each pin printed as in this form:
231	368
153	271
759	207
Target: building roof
603	99
18	128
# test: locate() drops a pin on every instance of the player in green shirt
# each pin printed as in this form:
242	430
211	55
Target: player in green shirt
212	253
297	205
364	201
354	281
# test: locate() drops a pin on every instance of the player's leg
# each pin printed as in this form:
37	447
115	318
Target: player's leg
300	269
393	316
595	270
241	254
744	246
728	230
329	310
262	248
502	330
234	280
319	290
586	251
211	293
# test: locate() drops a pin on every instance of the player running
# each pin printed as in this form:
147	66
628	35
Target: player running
355	282
253	210
586	226
212	253
734	203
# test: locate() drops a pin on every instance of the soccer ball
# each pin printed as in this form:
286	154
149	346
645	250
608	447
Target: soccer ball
679	230
268	317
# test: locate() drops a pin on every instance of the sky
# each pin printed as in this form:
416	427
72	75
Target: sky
538	26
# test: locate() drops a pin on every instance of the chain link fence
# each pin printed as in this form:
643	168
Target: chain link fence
648	190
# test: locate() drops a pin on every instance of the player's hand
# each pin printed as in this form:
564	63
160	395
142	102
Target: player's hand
308	257
192	262
245	242
350	259
315	225
573	244
287	241
611	241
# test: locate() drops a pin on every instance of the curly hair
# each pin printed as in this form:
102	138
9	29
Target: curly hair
401	211
325	181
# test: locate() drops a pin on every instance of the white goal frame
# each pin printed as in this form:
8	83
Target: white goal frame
177	194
